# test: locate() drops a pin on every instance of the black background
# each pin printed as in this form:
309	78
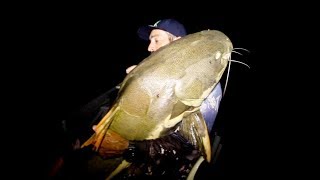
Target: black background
67	55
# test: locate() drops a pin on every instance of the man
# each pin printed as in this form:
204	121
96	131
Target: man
160	34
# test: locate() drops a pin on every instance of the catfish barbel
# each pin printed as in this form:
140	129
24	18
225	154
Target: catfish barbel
164	89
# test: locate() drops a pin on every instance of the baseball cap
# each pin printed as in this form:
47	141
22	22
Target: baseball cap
170	25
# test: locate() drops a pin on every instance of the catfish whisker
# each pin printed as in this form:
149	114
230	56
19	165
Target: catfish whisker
227	78
243	49
229	66
237	52
240	49
231	60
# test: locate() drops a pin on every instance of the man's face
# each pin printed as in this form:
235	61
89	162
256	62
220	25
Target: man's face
158	38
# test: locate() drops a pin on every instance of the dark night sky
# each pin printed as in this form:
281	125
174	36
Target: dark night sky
61	55
75	55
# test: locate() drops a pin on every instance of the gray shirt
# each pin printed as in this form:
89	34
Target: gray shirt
209	107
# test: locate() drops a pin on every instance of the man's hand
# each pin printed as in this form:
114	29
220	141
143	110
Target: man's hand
168	147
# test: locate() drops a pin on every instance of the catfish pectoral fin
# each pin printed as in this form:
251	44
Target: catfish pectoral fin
101	129
113	145
194	129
